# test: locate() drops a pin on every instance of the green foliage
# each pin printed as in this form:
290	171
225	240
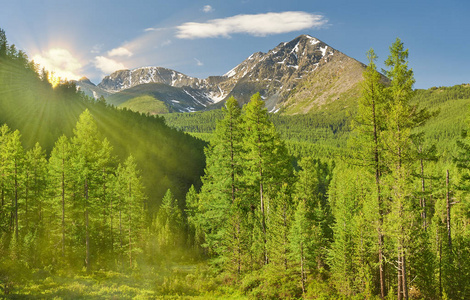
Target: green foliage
285	210
145	104
169	223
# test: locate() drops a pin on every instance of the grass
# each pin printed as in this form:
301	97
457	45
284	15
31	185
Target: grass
145	104
170	282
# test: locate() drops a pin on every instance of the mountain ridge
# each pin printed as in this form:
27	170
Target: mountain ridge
276	75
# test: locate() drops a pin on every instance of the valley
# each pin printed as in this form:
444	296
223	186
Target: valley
300	173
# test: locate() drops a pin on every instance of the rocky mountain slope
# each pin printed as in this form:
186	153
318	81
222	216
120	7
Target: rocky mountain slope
294	77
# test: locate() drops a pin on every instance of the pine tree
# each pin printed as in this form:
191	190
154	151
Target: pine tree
220	204
351	195
61	173
368	128
267	166
16	151
400	155
169	223
88	158
5	178
195	234
131	191
302	247
36	209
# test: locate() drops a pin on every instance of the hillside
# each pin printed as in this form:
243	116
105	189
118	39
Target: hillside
167	158
329	125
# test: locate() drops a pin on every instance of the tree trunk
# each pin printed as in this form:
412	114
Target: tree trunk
111	225
379	203
87	257
448	204
120	229
130	236
399	274
404	281
16	200
63	207
302	272
263	222
423	197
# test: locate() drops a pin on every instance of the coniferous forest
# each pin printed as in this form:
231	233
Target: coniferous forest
98	202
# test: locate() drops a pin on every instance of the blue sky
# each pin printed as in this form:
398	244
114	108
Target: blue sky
201	38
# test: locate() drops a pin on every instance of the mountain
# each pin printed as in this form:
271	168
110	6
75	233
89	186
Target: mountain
90	89
295	77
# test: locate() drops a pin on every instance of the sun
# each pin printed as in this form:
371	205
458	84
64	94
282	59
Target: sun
61	65
53	79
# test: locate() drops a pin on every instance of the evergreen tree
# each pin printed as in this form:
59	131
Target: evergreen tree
37	210
16	157
267	166
367	141
88	157
302	247
402	119
220	203
169	223
131	206
351	196
195	233
61	173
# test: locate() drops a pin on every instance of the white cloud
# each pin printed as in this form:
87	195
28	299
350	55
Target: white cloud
207	9
121	51
97	48
154	29
257	25
198	62
108	65
61	62
166	43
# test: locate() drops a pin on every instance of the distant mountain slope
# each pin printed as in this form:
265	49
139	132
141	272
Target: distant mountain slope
145	104
287	77
330	125
90	89
177	99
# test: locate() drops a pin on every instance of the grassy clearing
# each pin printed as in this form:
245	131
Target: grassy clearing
145	104
170	282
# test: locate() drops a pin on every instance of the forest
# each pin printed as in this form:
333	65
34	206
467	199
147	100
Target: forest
105	203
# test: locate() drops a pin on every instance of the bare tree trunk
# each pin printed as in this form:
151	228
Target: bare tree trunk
285	235
439	245
239	262
16	200
302	267
120	229
379	203
404	281
448	204
130	236
63	207
423	198
87	259
26	196
263	221
111	221
400	277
